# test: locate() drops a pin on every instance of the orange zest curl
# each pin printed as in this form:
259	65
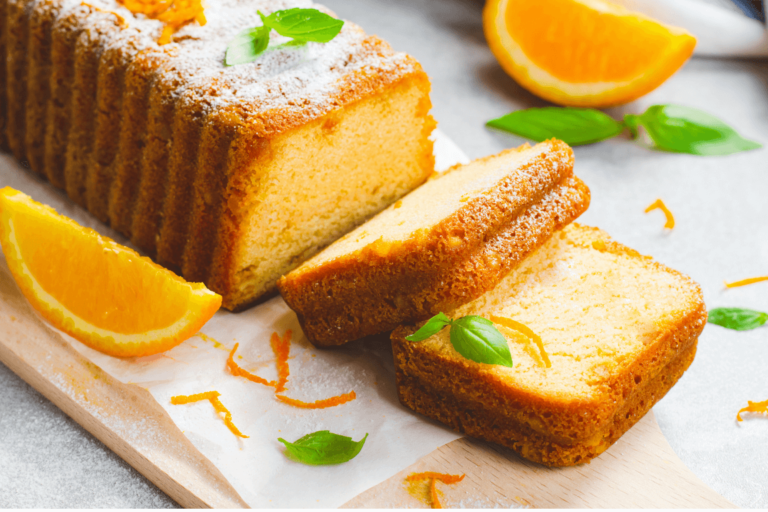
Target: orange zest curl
433	479
173	13
237	371
524	329
433	494
745	282
446	479
282	348
758	407
213	398
659	205
320	404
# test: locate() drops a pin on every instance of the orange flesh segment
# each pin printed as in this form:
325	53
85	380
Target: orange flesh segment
745	282
235	370
579	30
757	407
433	493
524	329
213	398
319	404
129	312
103	294
659	204
282	348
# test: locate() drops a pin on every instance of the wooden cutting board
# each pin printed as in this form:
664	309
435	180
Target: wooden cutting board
640	470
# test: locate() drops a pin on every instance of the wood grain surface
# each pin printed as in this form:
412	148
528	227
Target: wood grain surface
641	470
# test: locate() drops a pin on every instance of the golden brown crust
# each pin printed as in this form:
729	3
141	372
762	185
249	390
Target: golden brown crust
457	260
3	80
119	125
478	420
538	414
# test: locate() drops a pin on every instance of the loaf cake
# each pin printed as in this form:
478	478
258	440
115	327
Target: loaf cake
617	329
229	175
443	245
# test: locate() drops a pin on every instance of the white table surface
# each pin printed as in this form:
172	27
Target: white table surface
721	207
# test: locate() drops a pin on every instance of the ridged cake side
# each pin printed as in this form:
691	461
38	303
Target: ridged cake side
150	138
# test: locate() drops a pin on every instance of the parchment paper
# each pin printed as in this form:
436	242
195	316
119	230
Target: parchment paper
257	467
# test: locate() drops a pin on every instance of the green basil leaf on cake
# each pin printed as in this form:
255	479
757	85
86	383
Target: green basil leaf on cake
476	338
689	130
433	326
247	46
574	126
303	24
323	448
738	319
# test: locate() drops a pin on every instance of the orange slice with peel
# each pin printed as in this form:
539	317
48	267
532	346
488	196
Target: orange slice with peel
589	53
94	289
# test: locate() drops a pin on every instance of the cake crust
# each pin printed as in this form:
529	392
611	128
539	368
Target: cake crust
571	412
384	284
172	148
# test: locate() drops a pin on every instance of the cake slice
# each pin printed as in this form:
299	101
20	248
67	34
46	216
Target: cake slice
441	246
231	175
617	329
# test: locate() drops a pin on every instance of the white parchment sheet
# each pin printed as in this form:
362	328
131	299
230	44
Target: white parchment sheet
257	467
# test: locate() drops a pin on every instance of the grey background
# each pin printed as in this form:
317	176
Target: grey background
721	207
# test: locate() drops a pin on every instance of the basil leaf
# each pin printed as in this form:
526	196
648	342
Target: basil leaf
323	448
247	45
738	319
429	329
574	126
688	130
303	24
475	338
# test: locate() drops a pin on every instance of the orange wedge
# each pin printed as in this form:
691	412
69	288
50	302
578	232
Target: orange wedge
588	53
94	289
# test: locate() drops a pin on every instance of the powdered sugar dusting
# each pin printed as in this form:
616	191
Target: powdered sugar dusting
306	78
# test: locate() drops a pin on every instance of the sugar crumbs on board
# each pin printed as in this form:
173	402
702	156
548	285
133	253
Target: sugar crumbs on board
213	398
756	407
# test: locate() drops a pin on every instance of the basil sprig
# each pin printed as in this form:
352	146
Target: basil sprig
575	126
302	25
673	128
474	337
738	319
323	448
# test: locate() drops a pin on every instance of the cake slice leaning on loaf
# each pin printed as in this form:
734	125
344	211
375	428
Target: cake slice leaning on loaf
617	331
443	245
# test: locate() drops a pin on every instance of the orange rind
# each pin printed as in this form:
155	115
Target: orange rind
99	292
587	53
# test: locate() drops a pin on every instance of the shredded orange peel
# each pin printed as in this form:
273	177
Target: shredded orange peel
213	398
659	205
319	404
174	14
282	349
745	282
758	407
237	371
433	478
525	330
